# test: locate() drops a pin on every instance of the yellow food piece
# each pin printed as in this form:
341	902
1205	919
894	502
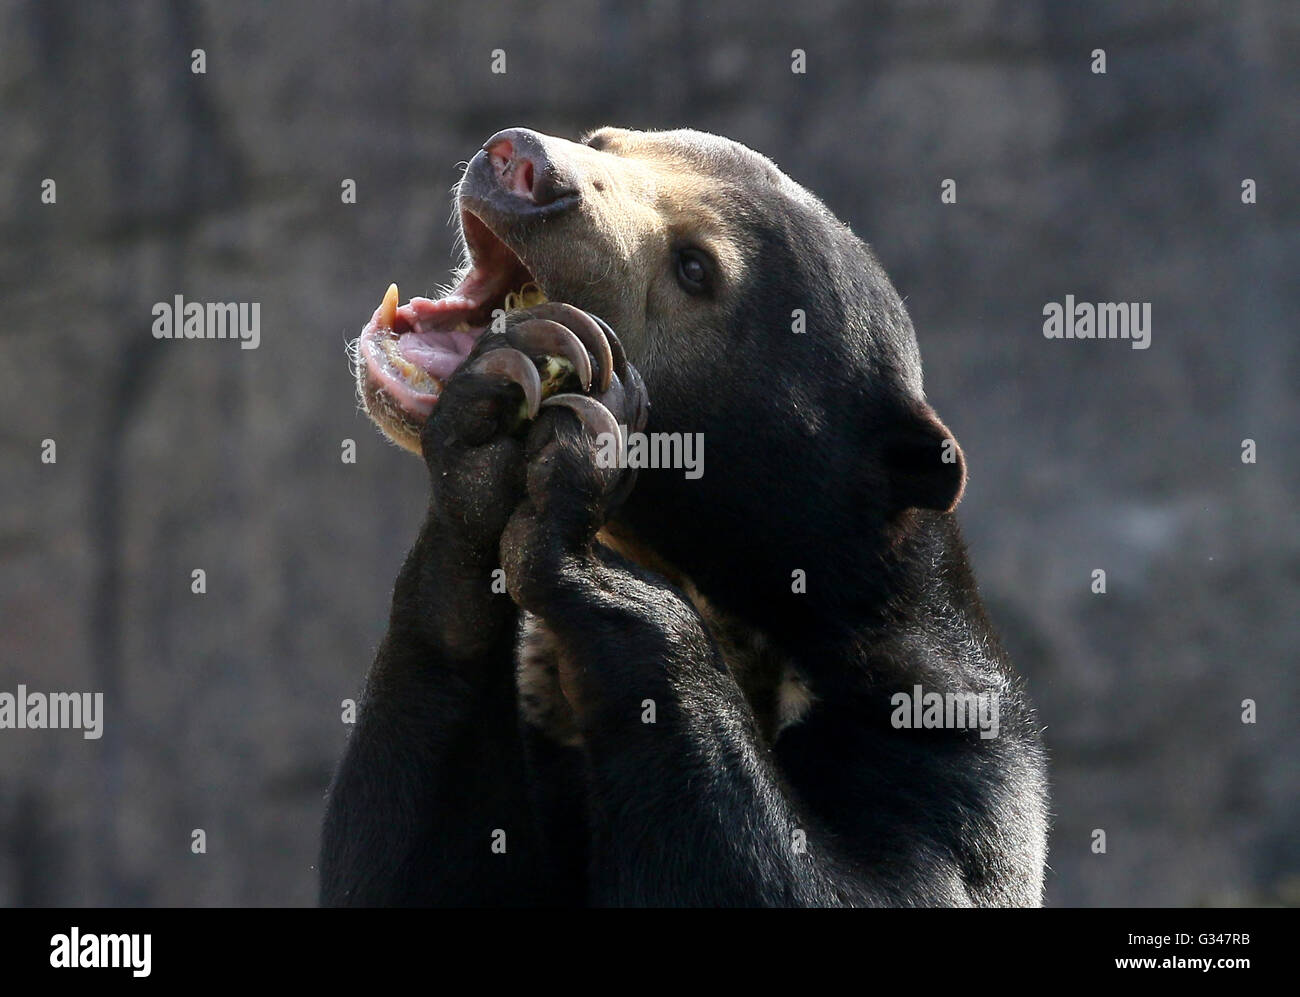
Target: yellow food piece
527	296
555	373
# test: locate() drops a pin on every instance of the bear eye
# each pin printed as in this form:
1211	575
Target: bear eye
693	271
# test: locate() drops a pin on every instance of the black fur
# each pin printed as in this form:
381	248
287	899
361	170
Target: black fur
822	456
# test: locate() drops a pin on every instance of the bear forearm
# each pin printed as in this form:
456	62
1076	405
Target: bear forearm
433	769
435	764
680	780
446	611
692	814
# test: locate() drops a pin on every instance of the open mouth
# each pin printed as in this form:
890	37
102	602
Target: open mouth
407	352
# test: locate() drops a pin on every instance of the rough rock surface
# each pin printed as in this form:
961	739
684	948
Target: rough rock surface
223	709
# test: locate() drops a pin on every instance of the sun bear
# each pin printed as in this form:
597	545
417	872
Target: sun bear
606	682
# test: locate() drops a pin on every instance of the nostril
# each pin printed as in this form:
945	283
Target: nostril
522	167
500	153
514	171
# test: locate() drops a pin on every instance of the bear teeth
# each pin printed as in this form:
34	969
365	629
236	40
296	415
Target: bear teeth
419	379
388	310
416	377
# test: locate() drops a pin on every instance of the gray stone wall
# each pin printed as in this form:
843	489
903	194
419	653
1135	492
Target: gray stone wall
223	708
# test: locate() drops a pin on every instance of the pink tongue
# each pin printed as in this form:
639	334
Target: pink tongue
436	353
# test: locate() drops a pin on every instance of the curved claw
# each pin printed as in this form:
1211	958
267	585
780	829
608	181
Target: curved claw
594	335
638	401
539	335
519	368
615	347
593	414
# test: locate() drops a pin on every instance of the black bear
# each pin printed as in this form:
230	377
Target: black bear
763	678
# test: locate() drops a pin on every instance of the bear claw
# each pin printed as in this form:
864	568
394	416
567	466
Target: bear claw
595	416
517	366
539	335
618	357
594	334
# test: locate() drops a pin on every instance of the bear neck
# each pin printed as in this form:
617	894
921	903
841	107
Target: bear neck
854	598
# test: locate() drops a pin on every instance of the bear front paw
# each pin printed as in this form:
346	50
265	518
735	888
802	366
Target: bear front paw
498	411
574	478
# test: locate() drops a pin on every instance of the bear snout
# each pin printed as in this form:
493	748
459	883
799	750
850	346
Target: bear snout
528	169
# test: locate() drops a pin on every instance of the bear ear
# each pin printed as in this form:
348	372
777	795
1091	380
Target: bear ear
926	467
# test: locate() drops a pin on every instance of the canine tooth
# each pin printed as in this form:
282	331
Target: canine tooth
388	310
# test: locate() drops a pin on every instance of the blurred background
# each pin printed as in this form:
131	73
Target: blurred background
223	709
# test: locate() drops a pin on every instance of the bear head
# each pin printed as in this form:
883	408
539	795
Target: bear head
756	318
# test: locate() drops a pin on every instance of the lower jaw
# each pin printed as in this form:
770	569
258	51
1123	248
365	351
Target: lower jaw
415	402
405	386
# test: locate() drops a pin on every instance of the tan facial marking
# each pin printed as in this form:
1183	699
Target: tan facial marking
644	197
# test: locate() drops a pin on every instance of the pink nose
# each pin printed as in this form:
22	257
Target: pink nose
523	167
